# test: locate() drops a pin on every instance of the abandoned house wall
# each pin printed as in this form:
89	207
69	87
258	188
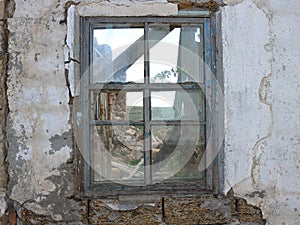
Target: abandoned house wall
262	107
261	156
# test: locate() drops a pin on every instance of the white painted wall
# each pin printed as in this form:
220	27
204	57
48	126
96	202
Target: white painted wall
262	111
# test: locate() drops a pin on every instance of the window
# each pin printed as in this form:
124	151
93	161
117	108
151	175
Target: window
147	104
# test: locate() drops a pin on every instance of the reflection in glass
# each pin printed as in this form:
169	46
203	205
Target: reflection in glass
117	105
118	153
178	105
177	151
118	55
177	57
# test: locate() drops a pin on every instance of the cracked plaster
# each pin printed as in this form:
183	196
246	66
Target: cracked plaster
272	168
37	98
260	58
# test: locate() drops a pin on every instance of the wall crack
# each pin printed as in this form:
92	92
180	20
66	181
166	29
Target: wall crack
264	93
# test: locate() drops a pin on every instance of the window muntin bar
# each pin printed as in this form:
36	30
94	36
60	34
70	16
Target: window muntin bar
147	135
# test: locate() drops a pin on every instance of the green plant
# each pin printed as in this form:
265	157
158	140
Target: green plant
175	72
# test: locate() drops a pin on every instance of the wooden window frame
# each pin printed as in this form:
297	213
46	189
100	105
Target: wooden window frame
214	171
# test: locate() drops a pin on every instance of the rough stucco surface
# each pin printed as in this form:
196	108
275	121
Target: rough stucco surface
38	108
3	110
260	57
262	108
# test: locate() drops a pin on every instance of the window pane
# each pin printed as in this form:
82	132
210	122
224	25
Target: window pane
118	55
178	105
118	153
117	105
177	57
177	151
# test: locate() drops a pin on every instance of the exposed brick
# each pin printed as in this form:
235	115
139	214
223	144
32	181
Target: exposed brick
243	217
12	218
187	4
248	213
144	214
191	210
243	207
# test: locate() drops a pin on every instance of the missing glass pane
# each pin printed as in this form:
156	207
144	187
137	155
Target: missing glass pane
118	153
117	105
178	105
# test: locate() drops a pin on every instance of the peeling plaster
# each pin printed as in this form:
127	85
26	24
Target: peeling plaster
3	204
232	2
264	93
245	116
265	7
38	101
273	172
46	9
60	141
71	52
5	9
108	9
261	78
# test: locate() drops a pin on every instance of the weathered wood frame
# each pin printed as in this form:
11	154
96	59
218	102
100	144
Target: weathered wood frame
214	172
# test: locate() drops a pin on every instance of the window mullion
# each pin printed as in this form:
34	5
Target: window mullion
147	136
208	95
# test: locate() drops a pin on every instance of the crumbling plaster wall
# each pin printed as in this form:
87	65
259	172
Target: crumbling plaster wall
262	108
3	111
260	57
39	128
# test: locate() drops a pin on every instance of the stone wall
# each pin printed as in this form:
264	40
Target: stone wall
3	109
38	63
170	210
